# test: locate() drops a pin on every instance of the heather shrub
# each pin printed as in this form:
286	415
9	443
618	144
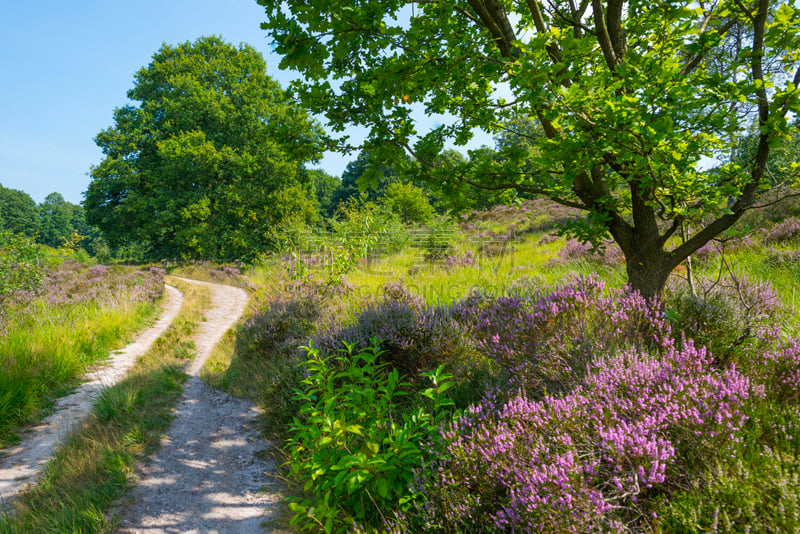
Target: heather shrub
351	443
725	314
491	244
784	258
543	340
588	460
787	231
456	260
776	205
757	489
269	341
574	251
414	336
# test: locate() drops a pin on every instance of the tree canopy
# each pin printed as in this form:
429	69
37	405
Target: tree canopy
18	212
630	99
208	162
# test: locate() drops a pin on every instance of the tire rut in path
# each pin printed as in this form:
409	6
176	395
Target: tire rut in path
20	465
208	475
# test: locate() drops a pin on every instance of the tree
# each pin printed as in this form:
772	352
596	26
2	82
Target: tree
18	212
408	202
325	187
630	97
56	224
208	163
369	173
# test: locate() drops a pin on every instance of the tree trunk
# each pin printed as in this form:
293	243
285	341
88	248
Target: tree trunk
649	275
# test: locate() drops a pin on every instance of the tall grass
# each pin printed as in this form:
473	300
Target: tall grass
93	468
83	313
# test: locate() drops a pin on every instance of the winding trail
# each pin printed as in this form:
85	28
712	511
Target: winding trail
208	475
21	465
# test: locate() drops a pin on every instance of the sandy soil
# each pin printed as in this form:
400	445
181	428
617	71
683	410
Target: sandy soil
209	475
20	465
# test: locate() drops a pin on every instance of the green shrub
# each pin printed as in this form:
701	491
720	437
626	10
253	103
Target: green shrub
438	239
20	270
353	447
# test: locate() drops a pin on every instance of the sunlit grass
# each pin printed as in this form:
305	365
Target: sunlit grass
47	348
92	469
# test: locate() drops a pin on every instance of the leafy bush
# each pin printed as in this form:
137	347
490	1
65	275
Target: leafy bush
356	451
437	239
20	270
366	230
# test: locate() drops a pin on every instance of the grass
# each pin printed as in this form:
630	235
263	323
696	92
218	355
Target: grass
48	347
93	468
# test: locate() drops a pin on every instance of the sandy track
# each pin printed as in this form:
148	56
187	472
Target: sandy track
21	464
208	476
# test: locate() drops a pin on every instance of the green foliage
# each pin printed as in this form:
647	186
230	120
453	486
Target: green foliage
361	232
56	220
208	163
610	107
408	202
438	238
20	268
352	445
325	187
18	212
367	175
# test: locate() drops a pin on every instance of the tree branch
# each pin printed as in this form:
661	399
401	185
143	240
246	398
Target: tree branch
616	32
494	18
698	58
603	38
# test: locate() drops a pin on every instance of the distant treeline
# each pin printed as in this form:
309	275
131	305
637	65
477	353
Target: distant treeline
54	222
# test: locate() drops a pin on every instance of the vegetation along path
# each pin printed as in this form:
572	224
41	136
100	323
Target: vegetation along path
22	463
208	475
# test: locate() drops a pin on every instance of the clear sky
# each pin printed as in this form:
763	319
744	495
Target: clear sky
65	67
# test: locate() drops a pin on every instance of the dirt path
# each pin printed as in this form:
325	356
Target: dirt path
21	464
208	476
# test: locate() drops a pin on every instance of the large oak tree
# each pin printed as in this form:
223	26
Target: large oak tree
632	99
208	162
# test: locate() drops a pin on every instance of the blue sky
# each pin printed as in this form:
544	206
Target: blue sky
67	65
